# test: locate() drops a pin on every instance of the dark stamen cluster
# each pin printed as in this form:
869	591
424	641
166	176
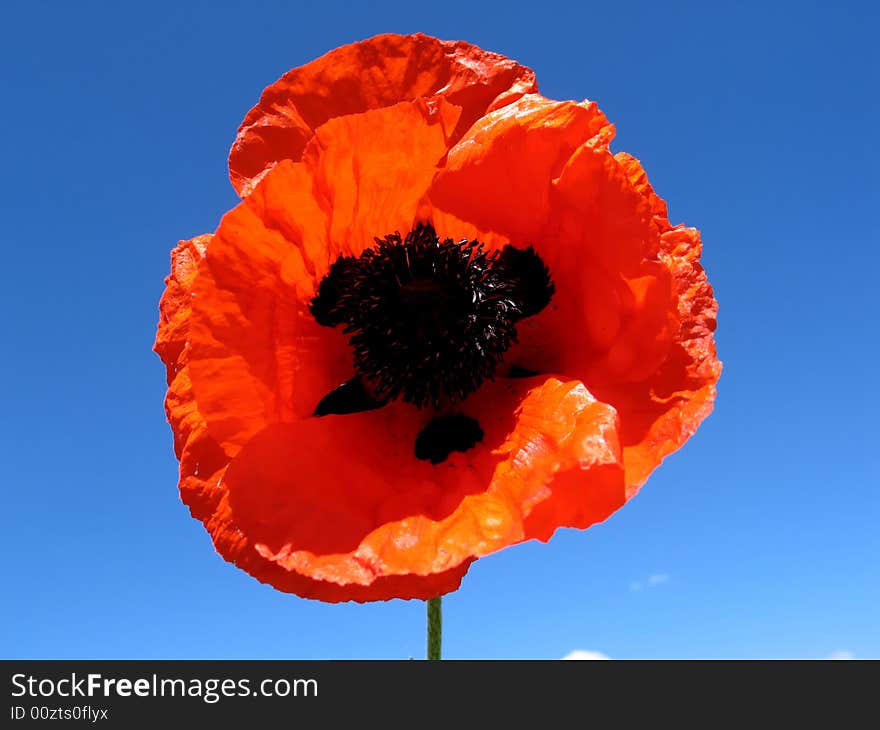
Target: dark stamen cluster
430	319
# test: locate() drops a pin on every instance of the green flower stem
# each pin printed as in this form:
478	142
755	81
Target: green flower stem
435	628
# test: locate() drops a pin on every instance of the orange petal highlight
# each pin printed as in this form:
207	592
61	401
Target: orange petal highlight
372	74
498	176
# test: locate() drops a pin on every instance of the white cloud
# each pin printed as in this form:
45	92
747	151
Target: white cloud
652	580
583	654
842	654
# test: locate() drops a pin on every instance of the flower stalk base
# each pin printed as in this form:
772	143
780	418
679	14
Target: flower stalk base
435	628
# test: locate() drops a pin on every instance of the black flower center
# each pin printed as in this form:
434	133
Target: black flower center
430	319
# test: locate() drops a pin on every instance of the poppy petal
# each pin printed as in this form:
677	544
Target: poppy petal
257	356
626	297
638	178
371	74
498	175
235	547
201	459
174	306
552	461
665	410
203	463
372	170
627	281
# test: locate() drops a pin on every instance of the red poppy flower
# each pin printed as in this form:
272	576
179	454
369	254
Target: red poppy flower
444	319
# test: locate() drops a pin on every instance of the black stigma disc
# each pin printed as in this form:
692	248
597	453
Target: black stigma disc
445	434
430	319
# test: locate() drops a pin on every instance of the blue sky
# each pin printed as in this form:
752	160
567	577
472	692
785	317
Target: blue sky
757	122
